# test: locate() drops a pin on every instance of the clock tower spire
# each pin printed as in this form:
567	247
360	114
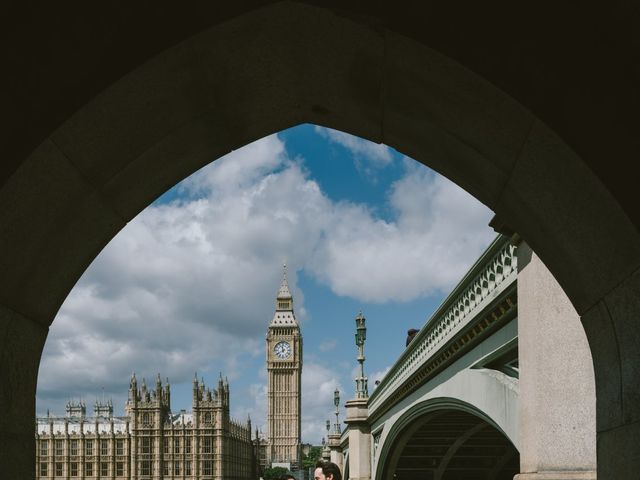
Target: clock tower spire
284	372
284	304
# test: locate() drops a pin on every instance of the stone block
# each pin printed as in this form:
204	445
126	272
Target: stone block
623	305
603	343
562	210
134	114
21	343
557	386
58	224
450	119
257	78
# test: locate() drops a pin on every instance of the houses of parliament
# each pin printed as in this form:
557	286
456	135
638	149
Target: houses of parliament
152	442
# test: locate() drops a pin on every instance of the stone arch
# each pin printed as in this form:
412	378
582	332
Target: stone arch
71	182
436	436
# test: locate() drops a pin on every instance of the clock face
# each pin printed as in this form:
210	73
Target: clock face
282	350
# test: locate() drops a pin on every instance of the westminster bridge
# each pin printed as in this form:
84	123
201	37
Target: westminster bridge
497	383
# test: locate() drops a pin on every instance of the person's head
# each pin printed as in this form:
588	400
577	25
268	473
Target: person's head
412	332
326	471
287	476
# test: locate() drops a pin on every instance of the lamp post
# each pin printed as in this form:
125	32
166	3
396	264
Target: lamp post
336	402
326	451
361	336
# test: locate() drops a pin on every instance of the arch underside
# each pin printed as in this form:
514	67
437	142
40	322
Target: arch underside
455	445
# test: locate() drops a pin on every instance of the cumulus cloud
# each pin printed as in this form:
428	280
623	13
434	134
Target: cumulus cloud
376	377
439	231
327	345
190	285
186	285
318	386
368	157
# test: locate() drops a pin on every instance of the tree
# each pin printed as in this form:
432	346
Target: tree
274	473
309	461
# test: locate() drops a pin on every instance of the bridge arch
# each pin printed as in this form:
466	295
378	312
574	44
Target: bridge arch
445	438
487	394
246	74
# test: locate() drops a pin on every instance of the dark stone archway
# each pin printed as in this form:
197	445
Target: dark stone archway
103	111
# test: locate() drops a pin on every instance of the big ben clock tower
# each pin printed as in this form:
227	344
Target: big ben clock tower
284	371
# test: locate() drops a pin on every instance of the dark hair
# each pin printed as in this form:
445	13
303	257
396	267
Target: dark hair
410	334
329	468
287	476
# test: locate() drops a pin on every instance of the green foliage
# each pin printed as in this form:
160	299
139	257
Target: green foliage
309	461
274	473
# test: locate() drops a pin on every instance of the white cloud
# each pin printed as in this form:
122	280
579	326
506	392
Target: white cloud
190	285
376	377
368	157
439	231
318	386
187	285
327	345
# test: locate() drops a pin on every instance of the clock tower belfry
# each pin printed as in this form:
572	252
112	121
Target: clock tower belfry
284	372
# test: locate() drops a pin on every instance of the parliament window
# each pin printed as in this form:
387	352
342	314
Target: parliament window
187	445
74	469
88	469
58	469
176	445
176	468
187	468
104	469
145	419
44	470
145	467
119	469
207	445
207	467
119	446
165	446
165	468
207	418
104	447
146	445
74	447
44	448
59	447
88	447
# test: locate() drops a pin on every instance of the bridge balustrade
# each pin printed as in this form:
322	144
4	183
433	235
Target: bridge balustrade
493	273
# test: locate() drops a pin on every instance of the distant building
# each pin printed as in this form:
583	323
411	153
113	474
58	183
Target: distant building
149	442
284	383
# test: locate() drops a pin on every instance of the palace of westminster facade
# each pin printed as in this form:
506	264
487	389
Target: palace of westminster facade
151	442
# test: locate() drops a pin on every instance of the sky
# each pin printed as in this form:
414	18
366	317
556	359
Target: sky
189	285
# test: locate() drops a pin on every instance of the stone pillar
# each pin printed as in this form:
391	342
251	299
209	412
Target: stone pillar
359	439
21	343
326	452
557	386
336	450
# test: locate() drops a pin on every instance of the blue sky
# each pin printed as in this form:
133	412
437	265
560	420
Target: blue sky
190	284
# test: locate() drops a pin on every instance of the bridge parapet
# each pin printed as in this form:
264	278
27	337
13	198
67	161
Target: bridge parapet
490	276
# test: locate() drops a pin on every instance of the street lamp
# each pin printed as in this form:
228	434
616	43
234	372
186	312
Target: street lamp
326	450
361	336
336	402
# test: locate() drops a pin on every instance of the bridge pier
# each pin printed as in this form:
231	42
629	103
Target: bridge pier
359	439
557	385
335	455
